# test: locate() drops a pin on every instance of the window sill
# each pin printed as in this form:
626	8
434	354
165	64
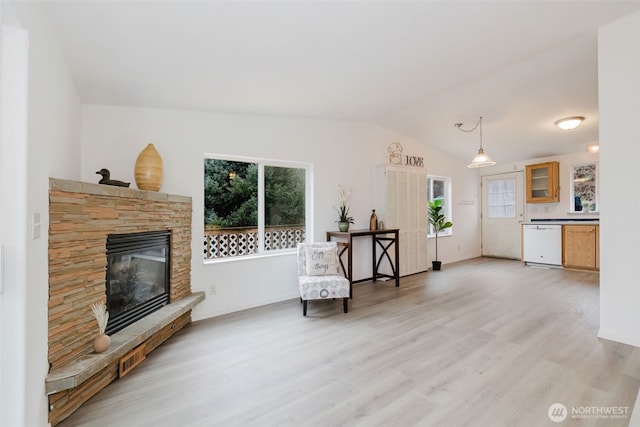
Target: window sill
584	213
249	257
429	236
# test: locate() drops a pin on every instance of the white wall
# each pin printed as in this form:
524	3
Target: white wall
13	193
346	153
619	104
561	209
52	148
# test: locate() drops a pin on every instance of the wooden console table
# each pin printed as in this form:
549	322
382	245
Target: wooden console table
385	239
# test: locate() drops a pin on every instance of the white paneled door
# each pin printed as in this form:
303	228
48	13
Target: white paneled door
406	208
502	214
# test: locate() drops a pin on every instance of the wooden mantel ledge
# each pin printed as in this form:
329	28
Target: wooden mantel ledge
76	372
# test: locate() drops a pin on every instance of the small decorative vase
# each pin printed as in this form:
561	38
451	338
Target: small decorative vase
343	226
373	221
149	169
101	343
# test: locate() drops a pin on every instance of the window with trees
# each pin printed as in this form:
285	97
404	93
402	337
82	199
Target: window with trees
584	188
253	207
439	188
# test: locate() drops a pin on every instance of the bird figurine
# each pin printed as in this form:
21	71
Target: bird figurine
106	179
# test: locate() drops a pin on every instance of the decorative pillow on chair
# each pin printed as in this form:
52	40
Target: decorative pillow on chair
321	261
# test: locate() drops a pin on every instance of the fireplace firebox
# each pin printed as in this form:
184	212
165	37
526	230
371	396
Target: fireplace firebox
137	276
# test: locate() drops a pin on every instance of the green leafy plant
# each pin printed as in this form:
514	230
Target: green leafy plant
437	220
343	214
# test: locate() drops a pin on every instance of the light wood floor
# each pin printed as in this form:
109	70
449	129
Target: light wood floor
485	342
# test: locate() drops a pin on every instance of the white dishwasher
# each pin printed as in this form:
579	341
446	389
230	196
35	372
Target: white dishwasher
542	244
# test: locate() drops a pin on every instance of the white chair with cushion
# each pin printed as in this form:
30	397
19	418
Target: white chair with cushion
318	274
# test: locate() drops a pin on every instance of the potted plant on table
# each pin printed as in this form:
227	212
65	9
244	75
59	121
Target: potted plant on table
438	222
343	212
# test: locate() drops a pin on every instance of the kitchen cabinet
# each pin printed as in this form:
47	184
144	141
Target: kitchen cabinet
543	182
580	248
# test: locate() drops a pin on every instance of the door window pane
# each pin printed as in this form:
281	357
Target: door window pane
502	198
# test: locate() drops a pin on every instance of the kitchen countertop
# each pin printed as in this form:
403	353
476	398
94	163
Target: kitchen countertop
561	221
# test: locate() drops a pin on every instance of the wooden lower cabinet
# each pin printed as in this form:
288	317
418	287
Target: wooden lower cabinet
580	247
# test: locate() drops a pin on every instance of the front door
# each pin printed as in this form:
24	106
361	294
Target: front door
502	214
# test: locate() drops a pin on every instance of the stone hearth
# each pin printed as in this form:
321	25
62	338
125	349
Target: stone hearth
81	215
74	374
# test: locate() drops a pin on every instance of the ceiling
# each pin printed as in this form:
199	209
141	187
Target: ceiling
417	67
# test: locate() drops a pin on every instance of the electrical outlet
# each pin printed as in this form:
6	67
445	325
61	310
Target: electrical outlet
212	290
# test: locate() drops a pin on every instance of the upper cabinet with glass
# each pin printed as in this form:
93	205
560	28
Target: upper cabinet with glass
542	182
584	188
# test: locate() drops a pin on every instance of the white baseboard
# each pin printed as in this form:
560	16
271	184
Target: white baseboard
612	336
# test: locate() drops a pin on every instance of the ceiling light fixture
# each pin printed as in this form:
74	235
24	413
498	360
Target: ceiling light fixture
481	159
593	148
569	123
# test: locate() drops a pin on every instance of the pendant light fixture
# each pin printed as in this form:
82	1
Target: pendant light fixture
481	159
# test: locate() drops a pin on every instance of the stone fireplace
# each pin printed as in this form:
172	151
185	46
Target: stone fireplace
83	217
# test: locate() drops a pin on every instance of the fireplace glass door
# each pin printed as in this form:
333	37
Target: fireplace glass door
137	276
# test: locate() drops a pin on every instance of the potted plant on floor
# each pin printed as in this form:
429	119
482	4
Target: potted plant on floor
438	222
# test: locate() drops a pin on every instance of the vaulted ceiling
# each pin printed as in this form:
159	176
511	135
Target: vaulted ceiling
417	67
